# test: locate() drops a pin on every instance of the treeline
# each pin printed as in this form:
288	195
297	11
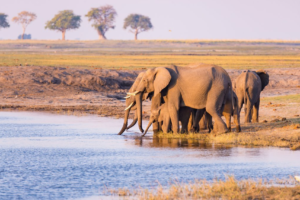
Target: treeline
102	18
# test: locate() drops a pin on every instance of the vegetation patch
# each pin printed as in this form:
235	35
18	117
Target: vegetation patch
277	134
218	189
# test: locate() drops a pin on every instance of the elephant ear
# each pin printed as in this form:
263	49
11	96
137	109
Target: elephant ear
161	80
264	77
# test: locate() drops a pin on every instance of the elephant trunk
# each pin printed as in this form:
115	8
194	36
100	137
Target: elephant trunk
125	122
138	99
132	123
149	124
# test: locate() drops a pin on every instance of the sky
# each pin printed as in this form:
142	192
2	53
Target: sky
172	19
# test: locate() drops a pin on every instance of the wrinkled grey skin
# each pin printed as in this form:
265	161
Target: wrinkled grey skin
230	109
162	116
248	87
198	87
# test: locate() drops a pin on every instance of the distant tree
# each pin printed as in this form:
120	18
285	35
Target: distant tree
103	19
3	21
63	21
24	18
25	37
137	24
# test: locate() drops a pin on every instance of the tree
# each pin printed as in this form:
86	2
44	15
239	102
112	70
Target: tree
3	21
24	18
63	21
103	19
137	23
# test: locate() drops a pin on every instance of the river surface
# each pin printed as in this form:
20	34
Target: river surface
48	156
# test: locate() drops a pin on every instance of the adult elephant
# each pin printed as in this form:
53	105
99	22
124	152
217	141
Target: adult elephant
248	86
199	87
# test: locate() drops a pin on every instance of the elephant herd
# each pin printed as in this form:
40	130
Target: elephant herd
194	96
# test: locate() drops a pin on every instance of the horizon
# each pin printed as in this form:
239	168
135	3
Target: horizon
213	20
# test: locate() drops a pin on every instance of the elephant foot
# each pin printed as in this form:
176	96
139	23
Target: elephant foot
155	131
229	129
194	130
220	131
238	129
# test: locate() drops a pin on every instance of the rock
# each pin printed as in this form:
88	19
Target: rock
283	119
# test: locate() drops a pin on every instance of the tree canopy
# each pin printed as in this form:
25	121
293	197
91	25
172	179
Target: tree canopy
63	21
137	23
24	18
3	21
103	19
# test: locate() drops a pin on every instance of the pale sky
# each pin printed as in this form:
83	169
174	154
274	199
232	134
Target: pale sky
187	19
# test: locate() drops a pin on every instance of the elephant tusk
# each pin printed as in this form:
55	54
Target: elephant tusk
129	106
133	94
127	97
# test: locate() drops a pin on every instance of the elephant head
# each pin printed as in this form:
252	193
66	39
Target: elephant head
155	116
130	102
154	80
264	77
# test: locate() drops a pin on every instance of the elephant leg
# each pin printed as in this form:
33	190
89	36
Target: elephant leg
190	123
240	103
166	124
256	111
236	120
213	106
228	120
174	112
155	127
248	111
198	116
184	118
203	124
209	122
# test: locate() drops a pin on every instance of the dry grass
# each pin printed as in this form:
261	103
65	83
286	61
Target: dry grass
218	189
230	54
147	61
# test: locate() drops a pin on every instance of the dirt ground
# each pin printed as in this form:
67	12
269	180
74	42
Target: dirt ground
101	92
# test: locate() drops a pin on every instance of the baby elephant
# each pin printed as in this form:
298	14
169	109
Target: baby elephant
161	115
248	88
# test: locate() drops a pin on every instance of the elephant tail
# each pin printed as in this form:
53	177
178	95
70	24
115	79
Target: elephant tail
232	100
246	95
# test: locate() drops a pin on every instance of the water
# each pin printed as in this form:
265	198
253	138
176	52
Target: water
47	156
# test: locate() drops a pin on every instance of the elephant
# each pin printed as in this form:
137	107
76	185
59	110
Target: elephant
199	87
230	109
130	104
248	87
162	116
